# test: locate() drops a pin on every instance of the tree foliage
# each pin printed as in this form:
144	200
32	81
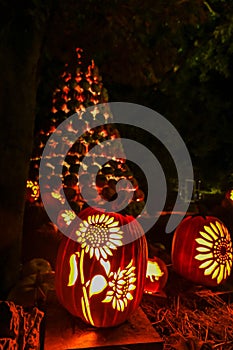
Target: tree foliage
201	99
174	57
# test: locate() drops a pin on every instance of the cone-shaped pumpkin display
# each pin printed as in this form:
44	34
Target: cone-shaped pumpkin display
202	250
80	87
98	277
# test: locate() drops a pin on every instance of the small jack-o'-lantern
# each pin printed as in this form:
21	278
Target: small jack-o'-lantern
65	217
202	250
32	191
100	277
229	195
156	275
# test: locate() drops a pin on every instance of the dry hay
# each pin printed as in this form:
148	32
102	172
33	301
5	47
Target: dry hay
197	320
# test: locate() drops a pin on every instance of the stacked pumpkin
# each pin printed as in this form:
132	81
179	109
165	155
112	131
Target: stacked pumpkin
202	250
79	88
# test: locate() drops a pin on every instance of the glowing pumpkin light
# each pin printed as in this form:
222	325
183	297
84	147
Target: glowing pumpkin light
65	218
33	191
202	250
98	277
156	275
229	195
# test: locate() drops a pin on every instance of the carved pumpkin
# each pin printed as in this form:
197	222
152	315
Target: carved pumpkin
202	250
228	201
229	195
98	277
156	275
32	191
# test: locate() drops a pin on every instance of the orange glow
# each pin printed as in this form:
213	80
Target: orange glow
215	251
103	133
73	270
57	195
64	108
122	285
79	89
96	229
68	77
68	216
81	98
231	195
153	271
90	76
99	229
34	186
66	89
156	275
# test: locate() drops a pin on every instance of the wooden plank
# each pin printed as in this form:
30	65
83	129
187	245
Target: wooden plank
65	332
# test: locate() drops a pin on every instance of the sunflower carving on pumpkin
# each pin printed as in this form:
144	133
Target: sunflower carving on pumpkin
215	251
99	235
122	285
68	216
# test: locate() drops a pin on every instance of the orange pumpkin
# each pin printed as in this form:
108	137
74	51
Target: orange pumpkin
156	275
229	195
98	277
202	250
32	191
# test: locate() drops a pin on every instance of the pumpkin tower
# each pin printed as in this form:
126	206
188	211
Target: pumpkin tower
77	89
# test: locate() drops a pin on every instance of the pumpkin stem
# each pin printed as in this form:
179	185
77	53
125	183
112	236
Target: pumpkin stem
199	214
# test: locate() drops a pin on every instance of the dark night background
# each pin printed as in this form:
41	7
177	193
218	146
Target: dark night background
174	57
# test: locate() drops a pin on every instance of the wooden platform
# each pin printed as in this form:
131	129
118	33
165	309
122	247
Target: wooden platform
64	332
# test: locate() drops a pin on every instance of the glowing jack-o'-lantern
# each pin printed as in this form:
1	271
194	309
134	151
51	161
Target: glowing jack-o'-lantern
156	275
33	191
202	250
65	217
98	277
229	195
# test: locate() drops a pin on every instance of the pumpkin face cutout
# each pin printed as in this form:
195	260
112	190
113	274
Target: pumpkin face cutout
99	278
202	250
156	276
